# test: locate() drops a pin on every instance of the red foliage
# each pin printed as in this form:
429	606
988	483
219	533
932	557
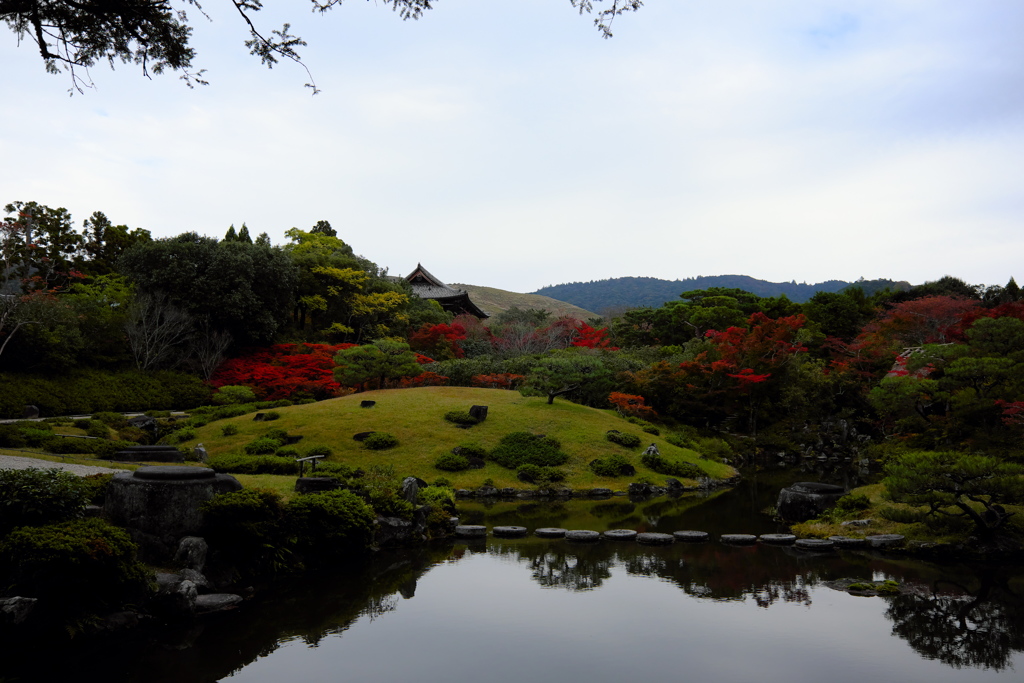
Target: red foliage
500	380
1013	412
284	371
427	379
630	404
589	338
441	340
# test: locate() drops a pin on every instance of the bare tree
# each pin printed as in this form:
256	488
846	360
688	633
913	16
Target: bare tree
157	329
207	349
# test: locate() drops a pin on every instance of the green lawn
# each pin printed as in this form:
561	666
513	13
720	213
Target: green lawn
416	418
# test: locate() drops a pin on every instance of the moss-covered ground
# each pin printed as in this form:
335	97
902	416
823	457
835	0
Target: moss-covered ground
416	418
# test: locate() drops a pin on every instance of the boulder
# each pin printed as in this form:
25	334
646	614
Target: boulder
191	553
15	611
478	412
145	423
217	602
807	499
367	404
30	413
411	488
199	453
393	531
361	436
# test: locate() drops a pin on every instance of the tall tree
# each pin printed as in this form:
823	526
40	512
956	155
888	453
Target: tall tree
155	34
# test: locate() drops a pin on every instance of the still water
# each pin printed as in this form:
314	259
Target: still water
540	610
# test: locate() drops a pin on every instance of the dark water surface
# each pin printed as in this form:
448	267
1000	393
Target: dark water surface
538	610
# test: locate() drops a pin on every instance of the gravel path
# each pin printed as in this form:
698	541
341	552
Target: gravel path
11	462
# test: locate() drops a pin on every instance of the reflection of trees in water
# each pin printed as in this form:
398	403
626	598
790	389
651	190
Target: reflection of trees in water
962	630
574	567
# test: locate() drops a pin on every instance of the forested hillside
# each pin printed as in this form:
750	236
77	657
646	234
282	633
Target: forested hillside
634	292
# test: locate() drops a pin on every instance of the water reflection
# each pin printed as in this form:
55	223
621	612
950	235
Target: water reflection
962	629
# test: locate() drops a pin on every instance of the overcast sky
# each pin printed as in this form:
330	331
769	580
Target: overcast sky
506	144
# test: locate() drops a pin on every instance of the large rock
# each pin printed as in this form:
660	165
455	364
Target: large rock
806	500
411	489
14	611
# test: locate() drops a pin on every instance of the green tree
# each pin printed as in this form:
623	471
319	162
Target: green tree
375	364
104	242
248	289
558	374
962	485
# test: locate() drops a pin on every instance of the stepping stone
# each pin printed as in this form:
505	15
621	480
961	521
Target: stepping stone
620	534
691	536
885	540
777	539
738	539
848	541
817	544
471	531
583	535
550	532
655	539
509	531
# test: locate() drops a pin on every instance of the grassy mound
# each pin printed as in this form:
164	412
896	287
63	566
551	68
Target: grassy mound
416	418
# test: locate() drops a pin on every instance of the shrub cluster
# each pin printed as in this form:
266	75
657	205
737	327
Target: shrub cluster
643	424
452	462
623	439
34	497
91	391
264	445
460	417
524	448
79	570
233	463
673	468
539	474
610	466
101	448
380	441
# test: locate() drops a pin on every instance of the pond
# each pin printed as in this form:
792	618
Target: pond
537	609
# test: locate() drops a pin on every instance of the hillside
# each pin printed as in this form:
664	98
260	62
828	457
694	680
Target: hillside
494	301
416	418
635	292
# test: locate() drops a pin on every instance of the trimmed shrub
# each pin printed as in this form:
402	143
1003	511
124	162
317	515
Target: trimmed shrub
35	497
452	462
318	449
12	437
35	437
276	433
79	570
233	394
234	463
522	448
623	439
460	417
101	448
851	502
330	525
287	452
672	468
471	450
271	415
264	445
539	474
712	448
181	435
610	466
229	430
380	441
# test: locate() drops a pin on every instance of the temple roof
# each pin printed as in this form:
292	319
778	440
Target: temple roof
426	286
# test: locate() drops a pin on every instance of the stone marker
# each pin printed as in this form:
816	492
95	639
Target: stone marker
777	539
550	532
651	538
738	539
620	534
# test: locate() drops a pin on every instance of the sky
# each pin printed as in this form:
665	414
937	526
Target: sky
506	144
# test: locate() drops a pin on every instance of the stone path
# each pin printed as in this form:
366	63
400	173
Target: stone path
11	462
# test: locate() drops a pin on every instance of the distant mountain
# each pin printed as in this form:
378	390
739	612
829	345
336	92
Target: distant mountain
634	292
494	301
